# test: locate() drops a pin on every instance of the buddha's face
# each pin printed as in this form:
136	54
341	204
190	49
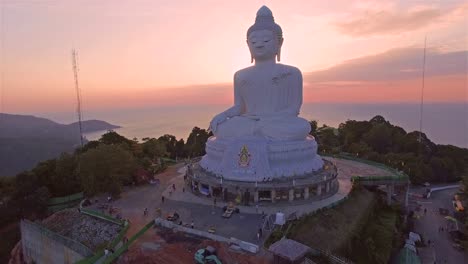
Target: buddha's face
263	44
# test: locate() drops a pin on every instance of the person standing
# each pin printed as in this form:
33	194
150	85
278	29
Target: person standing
192	225
162	198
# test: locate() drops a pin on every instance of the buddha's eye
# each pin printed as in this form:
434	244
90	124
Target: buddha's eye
267	41
253	42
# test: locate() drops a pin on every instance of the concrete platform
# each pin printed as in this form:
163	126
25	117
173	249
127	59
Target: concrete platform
345	168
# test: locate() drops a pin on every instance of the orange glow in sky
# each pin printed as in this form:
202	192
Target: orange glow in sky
170	52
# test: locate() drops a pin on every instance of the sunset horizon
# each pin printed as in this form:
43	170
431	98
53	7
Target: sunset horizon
139	55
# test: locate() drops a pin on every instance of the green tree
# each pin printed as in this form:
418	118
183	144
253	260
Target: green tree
313	126
180	149
154	148
327	139
379	137
113	138
170	142
196	141
106	168
423	173
352	131
359	149
30	196
66	180
443	168
45	173
90	145
7	186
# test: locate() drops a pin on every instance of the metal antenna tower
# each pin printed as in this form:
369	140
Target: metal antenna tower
78	93
422	93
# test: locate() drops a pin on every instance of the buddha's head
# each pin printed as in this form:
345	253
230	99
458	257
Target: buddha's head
264	37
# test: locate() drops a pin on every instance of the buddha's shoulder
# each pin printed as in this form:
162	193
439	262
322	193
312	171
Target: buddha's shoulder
283	68
279	68
243	73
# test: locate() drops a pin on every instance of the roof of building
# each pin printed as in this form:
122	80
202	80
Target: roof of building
289	249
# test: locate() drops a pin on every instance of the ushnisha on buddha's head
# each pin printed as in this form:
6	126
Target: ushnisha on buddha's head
264	37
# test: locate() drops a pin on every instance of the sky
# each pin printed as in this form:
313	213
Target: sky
143	53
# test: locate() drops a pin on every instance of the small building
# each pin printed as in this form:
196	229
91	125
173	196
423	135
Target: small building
407	256
288	251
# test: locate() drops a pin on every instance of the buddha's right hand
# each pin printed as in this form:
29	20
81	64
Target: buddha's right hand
252	117
218	119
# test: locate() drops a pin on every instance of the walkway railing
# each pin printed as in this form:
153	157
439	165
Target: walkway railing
124	247
102	216
396	176
60	203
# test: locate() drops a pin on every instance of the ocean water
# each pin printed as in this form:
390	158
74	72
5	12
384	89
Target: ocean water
443	123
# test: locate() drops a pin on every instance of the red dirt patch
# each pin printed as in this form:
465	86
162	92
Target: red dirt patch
176	248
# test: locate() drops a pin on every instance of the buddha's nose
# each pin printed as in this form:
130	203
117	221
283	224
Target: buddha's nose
260	46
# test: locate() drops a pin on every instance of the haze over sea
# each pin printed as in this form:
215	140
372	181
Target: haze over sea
443	123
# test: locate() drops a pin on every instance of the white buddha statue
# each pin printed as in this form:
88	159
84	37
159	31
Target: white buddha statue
261	136
268	95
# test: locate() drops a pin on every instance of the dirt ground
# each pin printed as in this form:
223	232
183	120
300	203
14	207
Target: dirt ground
167	247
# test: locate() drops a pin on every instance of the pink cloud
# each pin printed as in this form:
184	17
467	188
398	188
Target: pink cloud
383	21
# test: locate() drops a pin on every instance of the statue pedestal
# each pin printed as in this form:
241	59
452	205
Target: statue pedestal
254	159
277	190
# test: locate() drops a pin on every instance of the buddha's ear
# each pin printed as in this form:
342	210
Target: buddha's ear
251	56
280	42
278	53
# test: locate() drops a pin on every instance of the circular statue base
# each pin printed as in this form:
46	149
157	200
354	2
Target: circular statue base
313	186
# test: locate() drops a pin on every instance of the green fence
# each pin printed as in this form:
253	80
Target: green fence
66	199
59	203
396	175
125	246
102	216
376	178
169	160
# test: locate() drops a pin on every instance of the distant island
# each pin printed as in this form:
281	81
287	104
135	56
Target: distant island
26	140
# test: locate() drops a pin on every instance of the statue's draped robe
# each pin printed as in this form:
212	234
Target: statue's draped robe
266	104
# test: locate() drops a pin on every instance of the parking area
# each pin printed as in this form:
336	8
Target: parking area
240	225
